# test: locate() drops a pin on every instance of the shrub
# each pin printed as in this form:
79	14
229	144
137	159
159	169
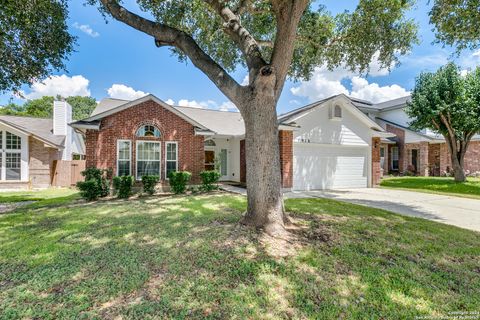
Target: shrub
149	183
101	188
178	181
123	186
89	190
209	180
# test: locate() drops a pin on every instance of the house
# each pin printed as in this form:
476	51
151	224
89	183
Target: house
38	152
423	153
335	143
329	144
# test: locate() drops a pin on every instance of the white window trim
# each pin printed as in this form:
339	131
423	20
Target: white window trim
176	156
129	154
136	157
393	158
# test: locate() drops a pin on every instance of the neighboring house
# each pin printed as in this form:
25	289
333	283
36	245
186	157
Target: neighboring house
423	152
329	144
35	151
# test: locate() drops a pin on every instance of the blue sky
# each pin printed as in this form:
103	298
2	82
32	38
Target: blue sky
112	59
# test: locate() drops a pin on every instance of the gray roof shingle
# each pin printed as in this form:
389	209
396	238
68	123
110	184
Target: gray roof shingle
39	127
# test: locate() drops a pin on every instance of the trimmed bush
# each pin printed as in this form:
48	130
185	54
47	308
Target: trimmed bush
178	181
149	183
209	180
101	189
89	190
123	186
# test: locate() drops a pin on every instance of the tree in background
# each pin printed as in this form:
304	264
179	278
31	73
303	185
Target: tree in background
448	103
82	107
457	23
274	40
34	40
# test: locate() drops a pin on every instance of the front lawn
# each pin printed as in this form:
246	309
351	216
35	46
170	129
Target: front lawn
440	185
186	257
38	195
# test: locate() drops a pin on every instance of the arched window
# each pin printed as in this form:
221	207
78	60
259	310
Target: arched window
210	143
148	131
337	111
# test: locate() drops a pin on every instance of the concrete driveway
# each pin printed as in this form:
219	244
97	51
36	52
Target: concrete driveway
460	212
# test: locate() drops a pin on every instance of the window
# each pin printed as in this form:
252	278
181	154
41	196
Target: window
223	162
148	158
13	142
124	156
12	165
209	143
394	158
382	157
337	111
171	158
148	131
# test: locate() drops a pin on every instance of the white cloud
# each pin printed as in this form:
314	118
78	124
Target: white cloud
63	85
373	92
121	91
208	104
325	83
85	28
245	81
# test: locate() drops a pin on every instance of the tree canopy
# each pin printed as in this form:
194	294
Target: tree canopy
42	107
448	103
457	23
34	40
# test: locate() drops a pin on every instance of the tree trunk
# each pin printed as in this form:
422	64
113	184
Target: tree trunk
264	189
457	160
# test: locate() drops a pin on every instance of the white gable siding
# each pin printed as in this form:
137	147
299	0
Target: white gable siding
397	116
317	127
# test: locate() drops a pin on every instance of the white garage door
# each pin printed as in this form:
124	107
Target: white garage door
329	167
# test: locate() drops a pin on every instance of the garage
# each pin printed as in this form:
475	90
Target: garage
320	166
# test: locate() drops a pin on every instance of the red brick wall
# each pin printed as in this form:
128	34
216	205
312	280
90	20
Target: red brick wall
243	162
285	139
101	146
376	169
434	158
40	163
472	157
400	133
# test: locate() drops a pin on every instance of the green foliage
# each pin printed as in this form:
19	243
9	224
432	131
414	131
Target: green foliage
178	181
149	183
102	183
379	27
123	186
446	99
209	179
34	40
456	23
90	190
82	107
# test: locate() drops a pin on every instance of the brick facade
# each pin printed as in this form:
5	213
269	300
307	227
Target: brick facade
101	145
40	163
376	169
471	161
285	140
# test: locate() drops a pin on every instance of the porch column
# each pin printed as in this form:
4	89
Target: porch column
376	169
423	161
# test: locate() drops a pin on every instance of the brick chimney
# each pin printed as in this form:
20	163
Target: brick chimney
62	116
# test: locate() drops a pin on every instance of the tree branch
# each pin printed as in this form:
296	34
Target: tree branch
240	35
167	36
288	14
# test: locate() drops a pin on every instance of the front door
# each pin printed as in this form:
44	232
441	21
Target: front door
415	159
209	160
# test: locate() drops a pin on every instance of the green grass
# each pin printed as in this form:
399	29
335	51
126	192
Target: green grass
448	186
49	195
187	258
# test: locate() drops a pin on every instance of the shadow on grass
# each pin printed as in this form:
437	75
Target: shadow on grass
186	257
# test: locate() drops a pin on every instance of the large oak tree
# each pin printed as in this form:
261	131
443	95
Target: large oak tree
273	40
